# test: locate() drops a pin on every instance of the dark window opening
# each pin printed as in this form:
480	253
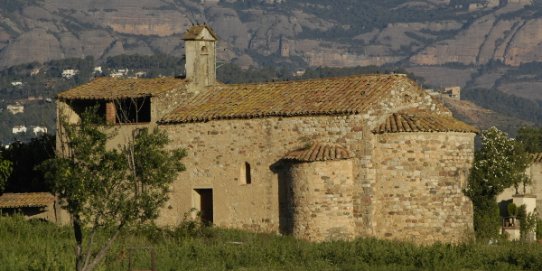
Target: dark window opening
204	50
205	202
133	110
245	174
128	110
248	174
91	106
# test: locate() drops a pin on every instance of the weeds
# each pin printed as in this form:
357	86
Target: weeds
26	245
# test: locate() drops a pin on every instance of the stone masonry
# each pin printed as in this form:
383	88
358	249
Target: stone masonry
407	161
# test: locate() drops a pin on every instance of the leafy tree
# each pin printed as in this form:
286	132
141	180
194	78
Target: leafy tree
24	157
5	171
531	137
109	189
499	164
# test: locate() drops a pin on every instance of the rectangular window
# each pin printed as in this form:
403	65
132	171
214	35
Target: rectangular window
121	111
133	110
203	202
245	174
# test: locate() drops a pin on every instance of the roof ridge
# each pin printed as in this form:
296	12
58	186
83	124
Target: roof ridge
420	120
333	78
318	151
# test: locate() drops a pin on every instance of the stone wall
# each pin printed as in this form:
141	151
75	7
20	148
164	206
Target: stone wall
418	194
322	200
219	153
217	150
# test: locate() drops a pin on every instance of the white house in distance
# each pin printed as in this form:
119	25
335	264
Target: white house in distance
15	108
39	130
119	73
69	73
16	83
98	70
18	129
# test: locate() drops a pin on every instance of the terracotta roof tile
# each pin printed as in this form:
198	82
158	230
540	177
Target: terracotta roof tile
422	121
193	32
19	200
330	96
319	152
115	88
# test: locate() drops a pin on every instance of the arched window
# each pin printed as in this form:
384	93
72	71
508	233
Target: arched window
246	174
204	50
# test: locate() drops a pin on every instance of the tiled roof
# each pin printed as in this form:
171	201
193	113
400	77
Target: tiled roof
422	121
537	157
20	200
319	152
115	88
193	32
330	96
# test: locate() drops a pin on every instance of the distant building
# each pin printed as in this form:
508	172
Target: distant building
15	108
38	205
299	72
35	98
98	69
284	47
35	71
119	73
18	129
16	83
37	130
432	92
69	73
450	92
453	92
140	74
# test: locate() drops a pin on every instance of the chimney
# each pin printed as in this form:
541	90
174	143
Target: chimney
200	51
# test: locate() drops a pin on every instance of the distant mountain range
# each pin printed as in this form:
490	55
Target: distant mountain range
481	45
318	32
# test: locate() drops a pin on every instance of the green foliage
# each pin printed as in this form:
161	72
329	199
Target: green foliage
527	221
499	164
531	138
5	171
25	156
538	229
110	189
42	246
486	218
512	209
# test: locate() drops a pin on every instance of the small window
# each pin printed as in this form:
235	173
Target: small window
133	110
121	111
204	50
246	174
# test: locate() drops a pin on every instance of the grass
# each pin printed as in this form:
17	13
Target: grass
34	245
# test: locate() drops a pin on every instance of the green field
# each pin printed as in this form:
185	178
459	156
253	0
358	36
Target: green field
43	246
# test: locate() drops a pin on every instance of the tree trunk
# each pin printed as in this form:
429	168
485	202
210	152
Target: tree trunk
79	255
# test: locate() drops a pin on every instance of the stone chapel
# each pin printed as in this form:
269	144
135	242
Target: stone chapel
320	159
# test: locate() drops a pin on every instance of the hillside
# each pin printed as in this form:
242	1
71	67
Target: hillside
484	118
490	48
319	33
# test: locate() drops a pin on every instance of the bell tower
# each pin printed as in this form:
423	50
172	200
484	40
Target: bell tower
200	51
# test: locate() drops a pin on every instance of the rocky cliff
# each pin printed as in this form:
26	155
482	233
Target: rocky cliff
425	32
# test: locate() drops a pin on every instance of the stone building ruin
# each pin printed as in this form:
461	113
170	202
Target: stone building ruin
321	159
